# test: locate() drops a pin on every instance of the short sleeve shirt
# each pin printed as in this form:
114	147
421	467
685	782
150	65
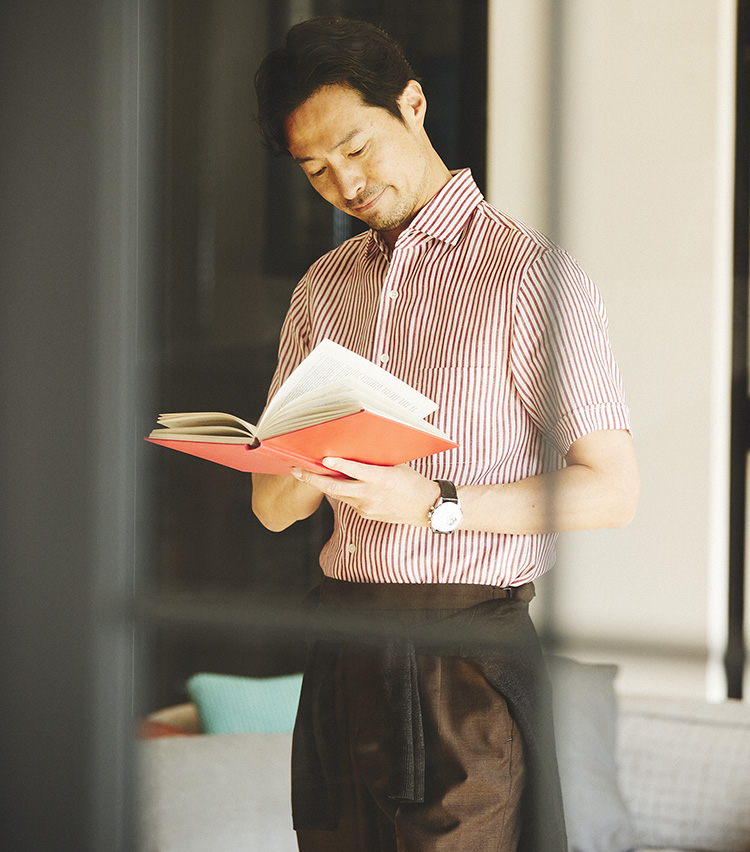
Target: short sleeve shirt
503	330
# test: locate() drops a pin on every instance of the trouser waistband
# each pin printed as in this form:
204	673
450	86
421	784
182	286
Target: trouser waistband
394	596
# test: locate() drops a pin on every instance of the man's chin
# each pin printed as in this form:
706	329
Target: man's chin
387	223
379	221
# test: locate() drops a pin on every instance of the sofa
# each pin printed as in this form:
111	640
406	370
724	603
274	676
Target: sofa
638	772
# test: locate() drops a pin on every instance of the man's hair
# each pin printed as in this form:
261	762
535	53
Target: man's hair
325	52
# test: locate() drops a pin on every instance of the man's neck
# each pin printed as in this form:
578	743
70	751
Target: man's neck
441	177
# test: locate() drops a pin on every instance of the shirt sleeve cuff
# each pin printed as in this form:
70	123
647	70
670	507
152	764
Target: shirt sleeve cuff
584	421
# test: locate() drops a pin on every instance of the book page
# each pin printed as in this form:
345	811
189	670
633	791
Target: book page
329	363
225	431
332	401
207	422
202	437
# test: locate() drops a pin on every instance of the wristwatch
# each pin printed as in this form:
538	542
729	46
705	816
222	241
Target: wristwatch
446	514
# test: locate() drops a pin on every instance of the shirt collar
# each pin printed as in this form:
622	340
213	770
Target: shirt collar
445	215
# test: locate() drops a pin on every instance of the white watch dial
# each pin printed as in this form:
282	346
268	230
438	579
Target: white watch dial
446	517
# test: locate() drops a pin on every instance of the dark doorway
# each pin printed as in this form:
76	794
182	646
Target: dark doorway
240	228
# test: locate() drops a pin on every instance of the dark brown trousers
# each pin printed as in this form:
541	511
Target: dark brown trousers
474	760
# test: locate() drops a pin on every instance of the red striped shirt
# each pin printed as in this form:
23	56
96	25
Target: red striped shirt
504	331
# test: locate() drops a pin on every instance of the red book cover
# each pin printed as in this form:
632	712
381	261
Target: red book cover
363	436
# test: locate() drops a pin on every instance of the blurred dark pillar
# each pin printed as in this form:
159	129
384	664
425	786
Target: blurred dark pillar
75	261
740	442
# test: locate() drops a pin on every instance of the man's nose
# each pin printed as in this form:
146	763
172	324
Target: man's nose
351	182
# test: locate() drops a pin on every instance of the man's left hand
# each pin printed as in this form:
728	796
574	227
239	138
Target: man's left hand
394	495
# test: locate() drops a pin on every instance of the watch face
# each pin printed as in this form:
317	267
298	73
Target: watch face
446	517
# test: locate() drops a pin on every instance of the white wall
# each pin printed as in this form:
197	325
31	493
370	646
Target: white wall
611	128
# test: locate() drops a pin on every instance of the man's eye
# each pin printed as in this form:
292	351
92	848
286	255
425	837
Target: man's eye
318	173
358	151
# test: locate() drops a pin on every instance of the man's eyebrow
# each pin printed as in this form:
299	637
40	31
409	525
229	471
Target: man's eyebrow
344	141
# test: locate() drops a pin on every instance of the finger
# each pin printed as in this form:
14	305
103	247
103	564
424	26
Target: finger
339	489
352	469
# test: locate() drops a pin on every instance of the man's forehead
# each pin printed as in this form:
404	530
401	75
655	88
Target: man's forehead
329	119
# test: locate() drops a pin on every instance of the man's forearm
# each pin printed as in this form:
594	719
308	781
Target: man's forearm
598	488
574	498
279	501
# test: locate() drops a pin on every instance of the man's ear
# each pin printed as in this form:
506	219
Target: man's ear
413	104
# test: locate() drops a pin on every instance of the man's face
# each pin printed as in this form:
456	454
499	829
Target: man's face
362	159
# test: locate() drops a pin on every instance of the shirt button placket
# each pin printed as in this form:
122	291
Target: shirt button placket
388	297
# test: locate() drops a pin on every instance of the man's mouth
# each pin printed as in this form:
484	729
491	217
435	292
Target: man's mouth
367	205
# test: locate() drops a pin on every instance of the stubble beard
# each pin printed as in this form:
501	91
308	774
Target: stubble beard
401	213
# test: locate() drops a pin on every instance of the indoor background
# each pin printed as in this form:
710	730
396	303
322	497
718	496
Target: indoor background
141	270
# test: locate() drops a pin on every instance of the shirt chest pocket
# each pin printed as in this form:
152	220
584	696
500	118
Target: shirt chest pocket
469	402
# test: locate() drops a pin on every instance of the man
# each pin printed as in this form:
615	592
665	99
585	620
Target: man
410	737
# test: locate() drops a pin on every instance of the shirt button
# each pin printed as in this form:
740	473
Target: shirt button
352	548
383	358
393	294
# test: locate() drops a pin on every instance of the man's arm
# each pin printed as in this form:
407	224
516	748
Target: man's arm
599	487
279	501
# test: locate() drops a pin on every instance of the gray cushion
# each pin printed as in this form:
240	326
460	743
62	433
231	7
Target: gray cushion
585	730
216	793
685	772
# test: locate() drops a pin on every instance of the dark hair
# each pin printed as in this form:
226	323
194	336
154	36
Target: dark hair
324	52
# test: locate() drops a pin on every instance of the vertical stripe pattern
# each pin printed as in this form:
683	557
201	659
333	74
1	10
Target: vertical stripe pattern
504	331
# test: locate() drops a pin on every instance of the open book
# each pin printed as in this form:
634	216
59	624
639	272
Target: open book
335	403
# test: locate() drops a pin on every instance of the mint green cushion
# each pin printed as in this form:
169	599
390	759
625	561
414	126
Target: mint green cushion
237	705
